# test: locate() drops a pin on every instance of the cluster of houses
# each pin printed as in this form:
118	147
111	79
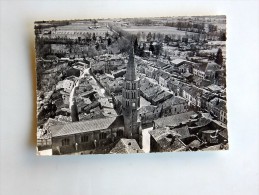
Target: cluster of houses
182	98
188	131
180	77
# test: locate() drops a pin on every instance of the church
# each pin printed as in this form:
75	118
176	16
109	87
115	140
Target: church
102	134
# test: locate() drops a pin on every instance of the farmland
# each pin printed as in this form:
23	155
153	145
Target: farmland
155	29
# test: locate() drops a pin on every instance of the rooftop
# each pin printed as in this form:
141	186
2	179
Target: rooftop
166	139
174	120
126	146
85	126
178	61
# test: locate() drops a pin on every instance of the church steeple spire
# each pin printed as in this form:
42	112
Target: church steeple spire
131	100
131	68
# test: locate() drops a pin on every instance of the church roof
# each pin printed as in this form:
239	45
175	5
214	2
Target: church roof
86	126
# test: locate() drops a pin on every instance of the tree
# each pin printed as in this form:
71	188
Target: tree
154	36
139	36
167	39
94	37
223	36
124	44
151	47
109	41
94	22
149	37
160	37
141	51
212	28
219	57
92	52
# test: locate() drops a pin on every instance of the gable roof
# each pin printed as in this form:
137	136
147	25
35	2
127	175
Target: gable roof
174	120
202	67
183	131
85	126
126	146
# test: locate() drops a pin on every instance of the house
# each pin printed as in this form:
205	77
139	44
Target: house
217	107
161	97
199	70
177	62
183	68
86	135
44	135
148	89
188	76
72	72
193	95
174	105
150	71
149	113
183	131
210	136
162	77
165	140
126	146
114	86
66	85
211	71
117	101
176	86
173	120
118	73
214	88
205	99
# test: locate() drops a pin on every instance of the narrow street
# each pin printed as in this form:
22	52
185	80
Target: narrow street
76	84
96	87
146	139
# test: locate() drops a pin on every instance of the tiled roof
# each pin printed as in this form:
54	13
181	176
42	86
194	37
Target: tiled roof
178	61
214	87
203	121
183	131
212	67
176	100
146	109
219	103
202	67
174	120
166	139
192	90
82	126
162	95
126	146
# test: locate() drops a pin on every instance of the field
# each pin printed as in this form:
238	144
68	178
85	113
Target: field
155	29
83	27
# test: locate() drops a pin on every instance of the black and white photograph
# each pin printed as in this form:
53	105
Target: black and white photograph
129	97
131	85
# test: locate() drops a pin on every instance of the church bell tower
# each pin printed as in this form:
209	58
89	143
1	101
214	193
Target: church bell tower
131	100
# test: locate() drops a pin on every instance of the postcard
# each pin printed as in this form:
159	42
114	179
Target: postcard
131	85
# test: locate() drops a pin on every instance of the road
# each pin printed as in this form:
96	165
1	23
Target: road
146	139
96	87
86	71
